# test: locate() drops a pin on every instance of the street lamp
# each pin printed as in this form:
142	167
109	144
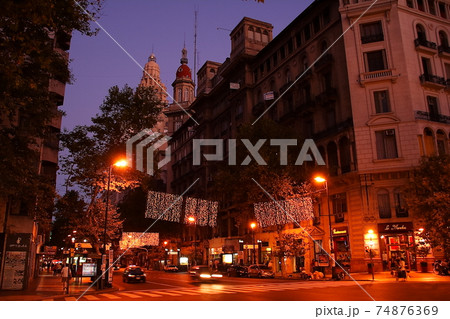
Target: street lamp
165	252
120	163
322	180
191	220
370	232
253	226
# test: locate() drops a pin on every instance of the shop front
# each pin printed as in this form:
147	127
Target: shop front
341	245
397	242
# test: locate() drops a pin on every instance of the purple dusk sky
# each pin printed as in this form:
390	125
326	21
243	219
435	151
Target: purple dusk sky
98	63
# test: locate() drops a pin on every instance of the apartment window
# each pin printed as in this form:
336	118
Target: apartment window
384	205
282	52
290	46
442	11
426	64
400	205
268	65
441	141
421	34
421	5
275	59
307	32
433	108
298	39
382	104
339	202
386	144
443	39
447	70
326	16
372	32
375	61
410	3
432	7
316	25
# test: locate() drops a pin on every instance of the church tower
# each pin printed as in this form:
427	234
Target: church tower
183	86
151	78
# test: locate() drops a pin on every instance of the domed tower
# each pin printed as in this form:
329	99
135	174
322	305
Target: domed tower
183	86
151	78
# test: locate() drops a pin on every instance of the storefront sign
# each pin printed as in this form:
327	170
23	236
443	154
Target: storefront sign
89	270
395	227
323	260
50	250
16	260
340	231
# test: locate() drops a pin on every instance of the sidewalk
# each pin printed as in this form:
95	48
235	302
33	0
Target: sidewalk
387	277
49	286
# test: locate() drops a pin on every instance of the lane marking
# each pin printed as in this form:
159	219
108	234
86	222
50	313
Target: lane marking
148	294
70	299
91	297
168	293
126	294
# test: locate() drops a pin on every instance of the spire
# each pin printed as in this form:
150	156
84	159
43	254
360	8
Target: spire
184	59
152	58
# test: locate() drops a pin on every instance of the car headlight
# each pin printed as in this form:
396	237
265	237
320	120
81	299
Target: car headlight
131	276
217	275
205	276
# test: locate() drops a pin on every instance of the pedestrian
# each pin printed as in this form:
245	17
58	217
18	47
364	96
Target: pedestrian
66	275
401	269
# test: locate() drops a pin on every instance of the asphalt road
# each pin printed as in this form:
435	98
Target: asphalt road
162	286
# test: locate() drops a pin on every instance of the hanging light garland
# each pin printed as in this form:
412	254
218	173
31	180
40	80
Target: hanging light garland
203	211
134	239
163	206
283	212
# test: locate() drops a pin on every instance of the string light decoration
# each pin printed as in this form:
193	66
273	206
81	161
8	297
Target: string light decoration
133	239
270	213
163	206
203	211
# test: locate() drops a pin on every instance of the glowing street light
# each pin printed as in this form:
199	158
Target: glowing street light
253	226
119	163
322	180
191	220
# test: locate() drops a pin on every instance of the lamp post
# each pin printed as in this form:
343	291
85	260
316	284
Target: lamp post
321	180
253	226
371	253
192	221
165	252
120	163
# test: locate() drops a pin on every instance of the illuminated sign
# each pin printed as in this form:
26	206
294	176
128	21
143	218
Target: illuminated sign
89	270
227	258
340	231
184	261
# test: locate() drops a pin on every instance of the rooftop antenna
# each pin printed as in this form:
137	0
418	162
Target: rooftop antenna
195	47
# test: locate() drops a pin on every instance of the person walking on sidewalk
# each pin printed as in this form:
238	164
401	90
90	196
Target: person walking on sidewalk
65	276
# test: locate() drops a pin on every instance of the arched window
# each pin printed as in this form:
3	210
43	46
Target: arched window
421	34
288	76
441	142
180	95
332	158
344	153
251	33
384	204
429	142
443	39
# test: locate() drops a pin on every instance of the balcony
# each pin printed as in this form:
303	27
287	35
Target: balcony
426	46
372	38
421	115
444	50
329	95
433	81
327	59
376	76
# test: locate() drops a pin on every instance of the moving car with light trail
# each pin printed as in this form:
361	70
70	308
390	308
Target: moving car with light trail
204	273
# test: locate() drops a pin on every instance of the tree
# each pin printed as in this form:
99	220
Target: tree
28	32
428	198
290	245
93	148
31	34
72	217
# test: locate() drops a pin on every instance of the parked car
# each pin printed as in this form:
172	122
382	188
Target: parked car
237	271
133	274
171	268
204	273
260	271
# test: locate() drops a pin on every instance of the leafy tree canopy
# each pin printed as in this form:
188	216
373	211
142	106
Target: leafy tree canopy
428	198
